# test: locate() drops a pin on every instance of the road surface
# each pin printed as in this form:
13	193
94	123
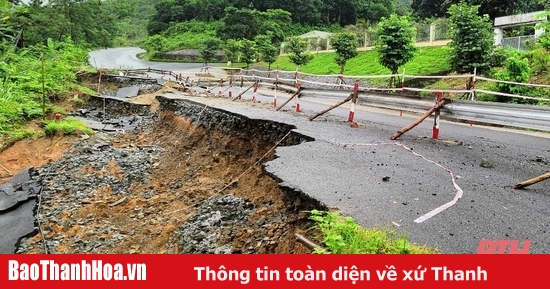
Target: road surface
126	57
345	168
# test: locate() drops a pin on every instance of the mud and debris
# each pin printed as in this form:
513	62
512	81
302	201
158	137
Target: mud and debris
173	183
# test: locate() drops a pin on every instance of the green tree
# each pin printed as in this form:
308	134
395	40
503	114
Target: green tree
89	23
232	49
472	41
403	7
275	23
248	51
395	44
297	51
239	24
373	10
270	55
429	8
493	8
268	52
208	49
345	44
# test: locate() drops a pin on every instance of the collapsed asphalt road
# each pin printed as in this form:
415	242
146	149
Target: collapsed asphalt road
18	200
356	170
392	184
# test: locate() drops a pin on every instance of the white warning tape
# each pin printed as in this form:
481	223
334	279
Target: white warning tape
254	76
439	76
459	191
511	82
437	90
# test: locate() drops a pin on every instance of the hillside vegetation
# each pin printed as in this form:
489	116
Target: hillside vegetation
427	61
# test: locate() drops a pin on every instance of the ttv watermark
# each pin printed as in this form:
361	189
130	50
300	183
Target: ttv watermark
503	247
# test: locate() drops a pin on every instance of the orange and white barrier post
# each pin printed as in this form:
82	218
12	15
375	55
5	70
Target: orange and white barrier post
298	85
437	114
255	91
353	101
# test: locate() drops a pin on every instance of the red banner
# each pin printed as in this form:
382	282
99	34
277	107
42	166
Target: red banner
271	271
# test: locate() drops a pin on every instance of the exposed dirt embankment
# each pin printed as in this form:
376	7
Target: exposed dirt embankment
189	180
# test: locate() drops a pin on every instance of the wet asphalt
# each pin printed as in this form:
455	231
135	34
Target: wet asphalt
380	182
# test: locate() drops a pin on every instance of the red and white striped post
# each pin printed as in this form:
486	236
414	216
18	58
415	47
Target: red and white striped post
255	90
298	85
220	90
437	114
353	101
473	88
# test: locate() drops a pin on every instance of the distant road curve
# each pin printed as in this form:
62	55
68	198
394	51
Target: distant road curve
126	57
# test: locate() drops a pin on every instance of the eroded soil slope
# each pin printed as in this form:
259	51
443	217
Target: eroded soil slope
170	186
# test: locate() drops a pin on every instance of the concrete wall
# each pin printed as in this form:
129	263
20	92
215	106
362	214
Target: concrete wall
510	21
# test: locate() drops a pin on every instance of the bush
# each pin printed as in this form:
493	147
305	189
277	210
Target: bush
540	60
21	80
517	70
498	57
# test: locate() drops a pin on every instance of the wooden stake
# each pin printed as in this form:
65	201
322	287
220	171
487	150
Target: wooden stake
350	97
241	94
532	181
43	91
99	81
5	169
296	94
418	121
302	240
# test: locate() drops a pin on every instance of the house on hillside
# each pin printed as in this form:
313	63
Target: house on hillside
513	21
316	41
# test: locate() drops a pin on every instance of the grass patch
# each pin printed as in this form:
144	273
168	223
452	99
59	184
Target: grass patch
342	235
427	61
66	126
